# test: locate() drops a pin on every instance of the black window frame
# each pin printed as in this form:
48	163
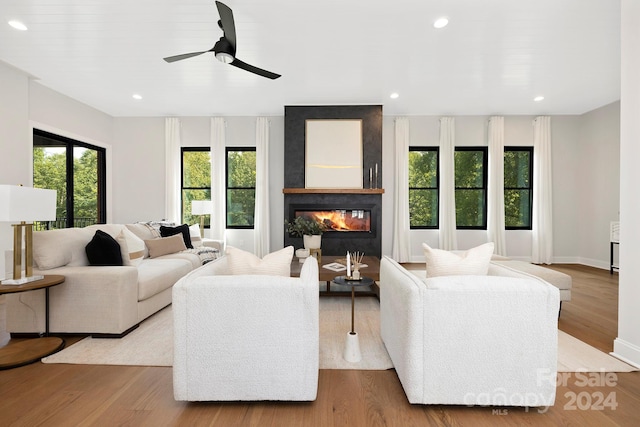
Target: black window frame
45	139
182	187
528	149
437	188
485	173
228	188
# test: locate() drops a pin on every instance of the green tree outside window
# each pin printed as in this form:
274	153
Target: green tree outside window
518	190
196	182
241	187
471	187
423	187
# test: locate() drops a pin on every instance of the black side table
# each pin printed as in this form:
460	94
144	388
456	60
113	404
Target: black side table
352	347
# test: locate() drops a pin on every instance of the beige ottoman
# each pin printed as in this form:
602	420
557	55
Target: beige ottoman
559	280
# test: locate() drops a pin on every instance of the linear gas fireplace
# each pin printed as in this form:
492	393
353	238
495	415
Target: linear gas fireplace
339	220
352	225
333	173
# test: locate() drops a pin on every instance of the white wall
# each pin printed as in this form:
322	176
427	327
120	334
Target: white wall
15	149
57	111
627	344
139	169
598	176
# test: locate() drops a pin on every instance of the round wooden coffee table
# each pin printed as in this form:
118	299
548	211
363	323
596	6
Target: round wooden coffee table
22	352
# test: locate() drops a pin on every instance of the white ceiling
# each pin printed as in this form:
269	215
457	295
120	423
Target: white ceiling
494	57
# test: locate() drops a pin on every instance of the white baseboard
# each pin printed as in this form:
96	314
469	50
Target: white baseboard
626	351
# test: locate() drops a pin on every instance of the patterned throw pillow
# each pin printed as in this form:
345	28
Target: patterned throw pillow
475	261
276	263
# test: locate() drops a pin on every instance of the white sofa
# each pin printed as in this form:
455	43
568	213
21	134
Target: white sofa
246	337
103	301
471	340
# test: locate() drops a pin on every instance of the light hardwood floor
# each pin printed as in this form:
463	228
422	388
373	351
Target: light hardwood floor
74	395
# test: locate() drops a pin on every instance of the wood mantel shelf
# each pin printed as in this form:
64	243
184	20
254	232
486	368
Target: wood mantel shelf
333	190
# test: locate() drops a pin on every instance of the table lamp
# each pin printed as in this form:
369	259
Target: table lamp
23	205
202	208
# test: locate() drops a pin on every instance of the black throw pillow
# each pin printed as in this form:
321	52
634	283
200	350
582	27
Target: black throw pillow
103	250
172	231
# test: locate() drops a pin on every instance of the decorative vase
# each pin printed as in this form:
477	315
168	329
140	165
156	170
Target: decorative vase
312	242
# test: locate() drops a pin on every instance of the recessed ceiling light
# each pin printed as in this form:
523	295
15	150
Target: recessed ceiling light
394	95
18	25
538	98
441	22
137	96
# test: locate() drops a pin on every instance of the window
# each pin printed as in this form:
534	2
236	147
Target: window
471	187
518	187
195	181
241	187
423	187
76	170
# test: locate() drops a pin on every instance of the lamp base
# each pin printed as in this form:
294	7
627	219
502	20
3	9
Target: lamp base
21	281
352	348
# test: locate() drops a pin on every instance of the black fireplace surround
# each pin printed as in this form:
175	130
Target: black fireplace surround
334	242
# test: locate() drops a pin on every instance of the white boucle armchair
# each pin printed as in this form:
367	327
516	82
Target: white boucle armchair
470	340
246	337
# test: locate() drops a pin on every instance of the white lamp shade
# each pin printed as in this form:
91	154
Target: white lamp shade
26	204
201	207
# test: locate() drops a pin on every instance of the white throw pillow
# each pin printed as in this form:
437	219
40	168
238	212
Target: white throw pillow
131	246
276	263
196	238
475	261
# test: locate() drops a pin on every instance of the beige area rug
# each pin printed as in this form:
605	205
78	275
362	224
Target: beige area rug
152	343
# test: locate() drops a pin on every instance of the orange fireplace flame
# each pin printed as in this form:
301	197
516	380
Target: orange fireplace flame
342	220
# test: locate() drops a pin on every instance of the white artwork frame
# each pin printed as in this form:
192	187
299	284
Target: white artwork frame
333	153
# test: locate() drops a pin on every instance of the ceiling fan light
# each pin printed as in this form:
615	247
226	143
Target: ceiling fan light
441	22
18	25
225	57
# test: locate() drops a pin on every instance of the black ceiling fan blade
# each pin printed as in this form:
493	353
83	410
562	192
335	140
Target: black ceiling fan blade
228	24
259	71
183	56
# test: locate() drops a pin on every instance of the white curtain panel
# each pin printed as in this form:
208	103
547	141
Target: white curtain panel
261	234
218	198
172	168
542	221
400	248
447	210
495	224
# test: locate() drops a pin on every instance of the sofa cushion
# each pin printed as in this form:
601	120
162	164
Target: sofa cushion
277	263
103	250
179	229
165	245
131	247
474	261
156	275
57	248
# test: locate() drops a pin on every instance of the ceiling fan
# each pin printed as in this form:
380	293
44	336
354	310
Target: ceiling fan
225	48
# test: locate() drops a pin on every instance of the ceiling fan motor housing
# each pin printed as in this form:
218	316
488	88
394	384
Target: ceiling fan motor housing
224	51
